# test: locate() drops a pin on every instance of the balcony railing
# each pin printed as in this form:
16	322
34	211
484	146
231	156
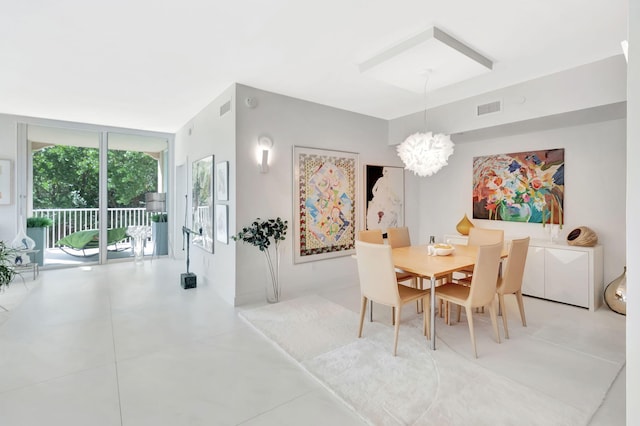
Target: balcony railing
68	221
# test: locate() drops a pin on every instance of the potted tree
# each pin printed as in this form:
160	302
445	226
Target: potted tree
36	230
261	234
160	232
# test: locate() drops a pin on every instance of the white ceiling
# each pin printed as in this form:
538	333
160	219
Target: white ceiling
154	64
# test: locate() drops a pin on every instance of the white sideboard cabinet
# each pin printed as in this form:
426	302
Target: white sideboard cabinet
560	272
564	273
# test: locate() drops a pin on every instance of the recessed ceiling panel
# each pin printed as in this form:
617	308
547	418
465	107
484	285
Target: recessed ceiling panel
432	54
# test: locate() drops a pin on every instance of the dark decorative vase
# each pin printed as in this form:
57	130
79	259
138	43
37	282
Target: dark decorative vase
615	295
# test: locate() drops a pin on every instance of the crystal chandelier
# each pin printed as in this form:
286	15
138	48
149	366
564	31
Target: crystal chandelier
425	153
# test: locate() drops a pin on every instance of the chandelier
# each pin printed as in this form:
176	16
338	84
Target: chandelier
425	153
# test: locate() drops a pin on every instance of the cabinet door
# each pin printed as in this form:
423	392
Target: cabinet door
567	276
533	278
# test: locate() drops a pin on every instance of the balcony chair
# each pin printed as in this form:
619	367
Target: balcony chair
76	243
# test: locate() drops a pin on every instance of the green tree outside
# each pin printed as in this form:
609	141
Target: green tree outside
67	177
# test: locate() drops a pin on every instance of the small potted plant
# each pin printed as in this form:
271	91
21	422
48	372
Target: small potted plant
261	234
7	267
36	230
160	232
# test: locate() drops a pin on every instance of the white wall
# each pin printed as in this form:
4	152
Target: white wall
207	134
594	186
633	224
588	86
8	146
290	122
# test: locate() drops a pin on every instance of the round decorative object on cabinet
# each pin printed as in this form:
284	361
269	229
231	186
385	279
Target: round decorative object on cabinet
464	225
615	295
583	237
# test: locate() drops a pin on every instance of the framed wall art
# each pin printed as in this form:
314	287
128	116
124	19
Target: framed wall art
384	197
324	214
202	203
5	182
520	187
222	181
222	223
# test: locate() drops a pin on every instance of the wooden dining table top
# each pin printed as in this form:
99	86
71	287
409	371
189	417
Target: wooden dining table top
416	259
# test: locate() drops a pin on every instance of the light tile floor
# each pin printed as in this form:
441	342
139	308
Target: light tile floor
124	344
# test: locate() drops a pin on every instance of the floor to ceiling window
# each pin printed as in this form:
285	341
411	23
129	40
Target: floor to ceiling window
94	187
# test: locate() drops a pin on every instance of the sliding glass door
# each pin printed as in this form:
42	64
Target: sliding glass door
93	188
136	182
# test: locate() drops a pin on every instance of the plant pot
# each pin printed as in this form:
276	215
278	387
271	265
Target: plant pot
160	233
37	235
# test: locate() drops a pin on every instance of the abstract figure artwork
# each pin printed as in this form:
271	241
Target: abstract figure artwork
520	187
325	185
384	197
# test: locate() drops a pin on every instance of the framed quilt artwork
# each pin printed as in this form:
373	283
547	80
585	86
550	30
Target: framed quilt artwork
324	214
202	202
520	187
384	196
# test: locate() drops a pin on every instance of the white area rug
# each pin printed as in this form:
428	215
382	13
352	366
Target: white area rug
419	386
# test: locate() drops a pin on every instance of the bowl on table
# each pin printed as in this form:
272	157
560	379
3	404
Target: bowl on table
443	249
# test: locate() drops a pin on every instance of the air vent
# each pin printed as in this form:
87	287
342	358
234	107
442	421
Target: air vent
225	108
490	108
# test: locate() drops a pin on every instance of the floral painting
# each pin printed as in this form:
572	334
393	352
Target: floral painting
325	185
520	187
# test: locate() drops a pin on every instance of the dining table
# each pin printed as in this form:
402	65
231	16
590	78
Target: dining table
418	261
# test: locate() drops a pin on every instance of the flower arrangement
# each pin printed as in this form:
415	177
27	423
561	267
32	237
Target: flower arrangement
519	188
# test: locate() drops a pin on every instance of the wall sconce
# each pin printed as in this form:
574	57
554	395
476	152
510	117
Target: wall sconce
264	145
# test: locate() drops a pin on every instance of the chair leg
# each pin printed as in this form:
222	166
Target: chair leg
393	315
426	319
396	330
414	284
502	309
370	310
363	308
521	306
494	319
469	312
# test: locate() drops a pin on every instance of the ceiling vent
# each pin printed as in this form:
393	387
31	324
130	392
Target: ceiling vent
490	108
225	108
